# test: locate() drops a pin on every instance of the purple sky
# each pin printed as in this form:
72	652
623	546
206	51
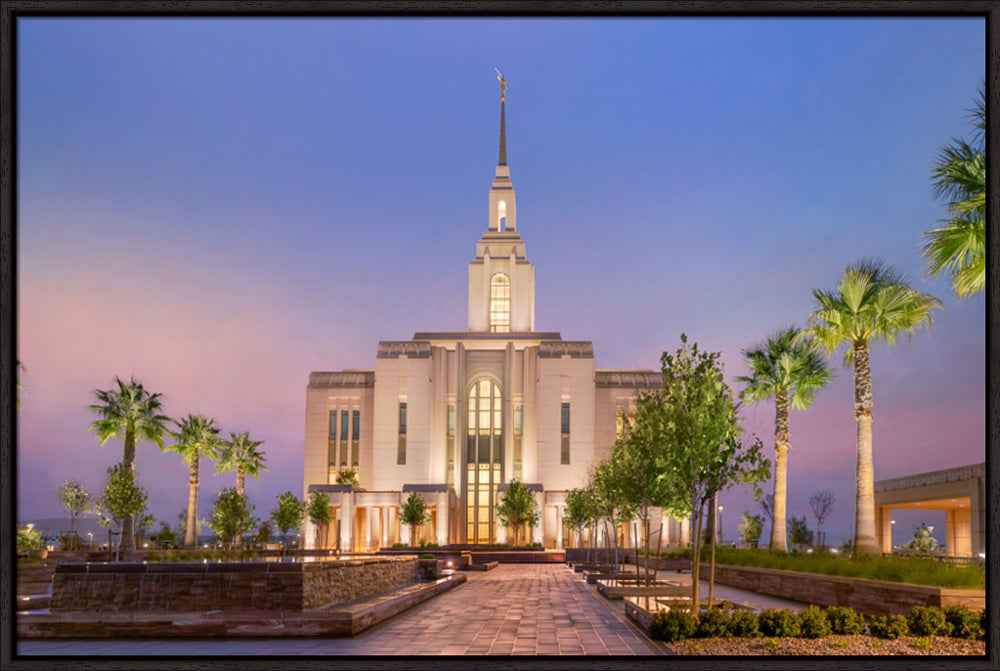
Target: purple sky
220	206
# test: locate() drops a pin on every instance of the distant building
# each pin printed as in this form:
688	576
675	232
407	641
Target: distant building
959	492
455	416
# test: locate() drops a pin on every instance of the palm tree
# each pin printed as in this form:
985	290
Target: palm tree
132	413
197	436
791	372
959	176
241	454
872	301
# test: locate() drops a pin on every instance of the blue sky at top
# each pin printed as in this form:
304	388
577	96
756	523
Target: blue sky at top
220	206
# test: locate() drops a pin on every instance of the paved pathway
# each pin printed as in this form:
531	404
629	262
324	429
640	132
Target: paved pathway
515	609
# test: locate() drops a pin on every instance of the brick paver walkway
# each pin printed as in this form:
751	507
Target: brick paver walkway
515	609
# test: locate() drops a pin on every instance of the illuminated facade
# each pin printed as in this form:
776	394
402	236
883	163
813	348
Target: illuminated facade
454	416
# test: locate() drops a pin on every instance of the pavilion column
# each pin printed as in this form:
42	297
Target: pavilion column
977	518
883	528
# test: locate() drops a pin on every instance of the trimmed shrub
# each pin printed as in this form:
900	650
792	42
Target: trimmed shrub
778	622
743	624
845	621
964	623
713	623
928	621
888	626
673	625
813	623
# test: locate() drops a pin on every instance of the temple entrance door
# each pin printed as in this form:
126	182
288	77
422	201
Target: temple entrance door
483	459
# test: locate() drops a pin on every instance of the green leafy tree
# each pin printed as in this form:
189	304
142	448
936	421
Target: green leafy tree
165	536
799	535
76	500
232	515
413	512
790	370
581	510
181	528
517	508
320	514
696	420
196	437
958	248
613	500
288	515
750	528
28	538
132	414
263	533
923	540
347	477
240	454
872	301
122	501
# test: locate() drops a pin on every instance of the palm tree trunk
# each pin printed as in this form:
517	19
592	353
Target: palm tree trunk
778	535
240	482
190	532
864	503
127	531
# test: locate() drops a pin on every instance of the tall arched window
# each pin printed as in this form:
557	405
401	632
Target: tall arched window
501	215
500	303
483	458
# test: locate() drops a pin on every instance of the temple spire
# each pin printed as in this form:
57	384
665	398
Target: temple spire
503	131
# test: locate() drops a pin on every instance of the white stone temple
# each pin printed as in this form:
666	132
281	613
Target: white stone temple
456	415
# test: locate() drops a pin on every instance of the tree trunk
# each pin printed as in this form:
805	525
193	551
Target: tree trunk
238	541
127	530
695	559
778	523
191	530
864	503
711	571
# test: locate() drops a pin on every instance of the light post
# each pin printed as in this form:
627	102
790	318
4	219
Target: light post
720	525
90	541
892	525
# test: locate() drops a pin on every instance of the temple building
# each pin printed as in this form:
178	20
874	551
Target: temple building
456	415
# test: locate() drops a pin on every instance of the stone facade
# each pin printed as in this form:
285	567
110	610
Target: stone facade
872	597
249	586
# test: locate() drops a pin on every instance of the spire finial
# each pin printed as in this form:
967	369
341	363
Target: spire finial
503	131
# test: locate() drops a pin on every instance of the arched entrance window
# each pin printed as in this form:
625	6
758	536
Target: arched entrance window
500	303
483	456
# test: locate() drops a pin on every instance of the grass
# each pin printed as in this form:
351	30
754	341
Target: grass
914	570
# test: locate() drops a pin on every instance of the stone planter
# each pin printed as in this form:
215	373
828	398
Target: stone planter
872	597
430	569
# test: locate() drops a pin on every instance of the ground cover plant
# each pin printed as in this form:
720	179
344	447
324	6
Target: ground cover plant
746	632
914	570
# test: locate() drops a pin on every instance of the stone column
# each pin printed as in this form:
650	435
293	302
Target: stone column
347	521
442	518
390	525
539	532
559	527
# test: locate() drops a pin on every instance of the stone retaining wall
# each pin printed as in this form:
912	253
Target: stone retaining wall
874	597
226	586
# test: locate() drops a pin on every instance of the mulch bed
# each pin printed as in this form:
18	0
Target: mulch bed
831	645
